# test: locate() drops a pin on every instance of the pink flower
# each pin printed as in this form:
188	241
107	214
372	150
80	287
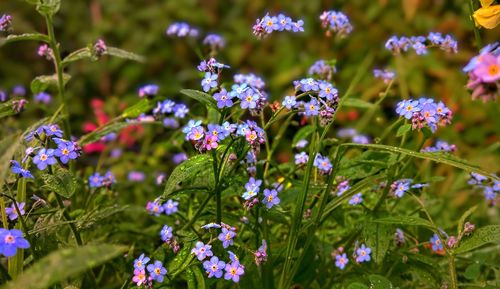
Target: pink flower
488	69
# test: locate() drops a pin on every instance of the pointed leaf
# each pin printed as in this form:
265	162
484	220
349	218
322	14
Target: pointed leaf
203	98
440	158
138	108
24	37
63	264
379	282
405	220
187	170
83	53
120	53
402	130
480	237
378	238
63	182
42	82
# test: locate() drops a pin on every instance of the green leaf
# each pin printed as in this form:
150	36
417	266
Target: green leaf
402	130
120	53
460	225
42	82
187	169
201	97
63	264
195	278
472	271
302	133
7	109
378	238
405	220
104	130
379	282
357	285
8	147
480	237
358	103
181	261
83	53
440	158
48	7
24	37
137	109
63	182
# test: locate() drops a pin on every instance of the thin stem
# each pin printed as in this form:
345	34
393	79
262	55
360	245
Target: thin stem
15	265
59	72
198	212
477	35
453	271
68	218
218	198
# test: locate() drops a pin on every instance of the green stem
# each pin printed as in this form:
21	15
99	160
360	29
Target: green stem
453	272
15	265
68	218
218	198
403	85
59	72
477	35
198	212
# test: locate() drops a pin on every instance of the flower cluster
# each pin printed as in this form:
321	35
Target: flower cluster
322	69
490	188
323	99
45	51
400	187
170	112
483	71
336	22
440	146
5	22
269	23
155	270
351	133
42	97
386	75
214	267
181	29
342	187
323	164
99	48
361	254
420	44
205	139
155	208
148	90
98	181
424	112
215	41
10	241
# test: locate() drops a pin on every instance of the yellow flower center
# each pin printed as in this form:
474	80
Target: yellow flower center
228	237
233	271
409	108
43	157
270	198
157	271
493	69
65	152
9	239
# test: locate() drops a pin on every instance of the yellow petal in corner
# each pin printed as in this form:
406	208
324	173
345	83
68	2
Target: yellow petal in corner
488	17
486	3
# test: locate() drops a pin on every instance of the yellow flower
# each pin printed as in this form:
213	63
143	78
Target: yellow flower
487	16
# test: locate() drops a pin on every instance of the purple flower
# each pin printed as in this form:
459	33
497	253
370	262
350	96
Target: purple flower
301	158
260	255
215	41
201	251
341	261
180	110
166	233
298	26
10	241
5	22
42	97
488	69
271	198
223	99
140	262
249	99
44	158
312	107
181	29
289	102
226	237
209	82
327	91
336	22
95	180
214	267
66	150
12	212
233	271
322	163
251	188
16	168
363	254
179	158
170	207
342	187
436	243
356	199
157	271
52	130
136	176
196	133
386	75
308	84
154	208
99	48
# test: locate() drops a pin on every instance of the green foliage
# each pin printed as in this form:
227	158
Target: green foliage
186	171
480	237
43	82
203	98
62	182
63	264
